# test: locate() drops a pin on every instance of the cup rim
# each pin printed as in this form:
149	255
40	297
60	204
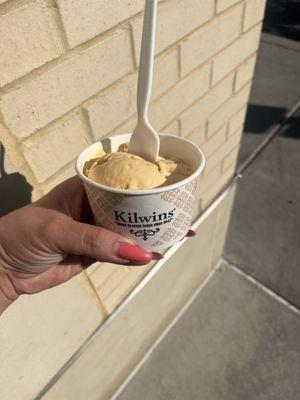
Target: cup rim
130	192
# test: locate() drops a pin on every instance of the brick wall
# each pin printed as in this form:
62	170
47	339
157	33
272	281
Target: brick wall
68	74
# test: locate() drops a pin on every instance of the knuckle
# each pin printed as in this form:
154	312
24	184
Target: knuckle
93	240
52	227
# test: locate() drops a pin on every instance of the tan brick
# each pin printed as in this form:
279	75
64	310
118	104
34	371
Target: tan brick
83	20
166	72
210	39
93	268
237	120
230	158
176	19
198	135
173	128
200	111
214	142
245	73
50	332
223	151
129	126
99	273
223	4
66	173
254	12
126	127
55	148
125	284
234	55
57	91
228	109
208	180
215	188
111	283
115	105
26	41
176	100
112	107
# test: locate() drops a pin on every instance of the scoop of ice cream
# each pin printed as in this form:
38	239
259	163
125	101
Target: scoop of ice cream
123	170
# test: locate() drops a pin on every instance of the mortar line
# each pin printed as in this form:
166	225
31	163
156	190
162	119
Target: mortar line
262	287
132	46
58	27
243	18
211	78
179	60
11	6
84	117
57	174
95	295
215	12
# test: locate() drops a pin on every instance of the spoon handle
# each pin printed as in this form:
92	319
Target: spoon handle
146	60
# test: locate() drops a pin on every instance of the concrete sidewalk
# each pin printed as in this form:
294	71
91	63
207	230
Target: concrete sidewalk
240	337
236	341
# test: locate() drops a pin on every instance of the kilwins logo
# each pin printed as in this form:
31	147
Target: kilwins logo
145	225
144	233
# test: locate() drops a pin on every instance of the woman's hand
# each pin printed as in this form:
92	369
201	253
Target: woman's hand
48	242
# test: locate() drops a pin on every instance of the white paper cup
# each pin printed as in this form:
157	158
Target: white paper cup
155	219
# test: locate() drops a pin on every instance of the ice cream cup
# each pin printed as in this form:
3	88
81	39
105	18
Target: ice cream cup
155	219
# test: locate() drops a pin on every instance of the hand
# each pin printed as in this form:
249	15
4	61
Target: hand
48	242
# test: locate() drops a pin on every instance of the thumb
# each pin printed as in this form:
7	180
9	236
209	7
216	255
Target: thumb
102	245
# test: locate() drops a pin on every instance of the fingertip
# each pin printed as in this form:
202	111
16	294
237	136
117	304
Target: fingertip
191	233
157	256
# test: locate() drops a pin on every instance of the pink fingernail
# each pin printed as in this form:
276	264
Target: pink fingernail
133	253
157	256
191	233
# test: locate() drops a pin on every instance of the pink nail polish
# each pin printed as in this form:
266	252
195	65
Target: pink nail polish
191	233
133	253
157	256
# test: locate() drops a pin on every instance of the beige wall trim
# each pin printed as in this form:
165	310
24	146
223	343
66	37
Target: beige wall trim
199	221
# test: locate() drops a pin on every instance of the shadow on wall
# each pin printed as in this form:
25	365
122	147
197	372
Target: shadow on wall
15	191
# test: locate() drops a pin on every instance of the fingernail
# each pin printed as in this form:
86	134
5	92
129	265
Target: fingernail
133	253
191	233
157	256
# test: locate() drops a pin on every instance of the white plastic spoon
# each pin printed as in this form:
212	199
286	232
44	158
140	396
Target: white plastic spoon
145	141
